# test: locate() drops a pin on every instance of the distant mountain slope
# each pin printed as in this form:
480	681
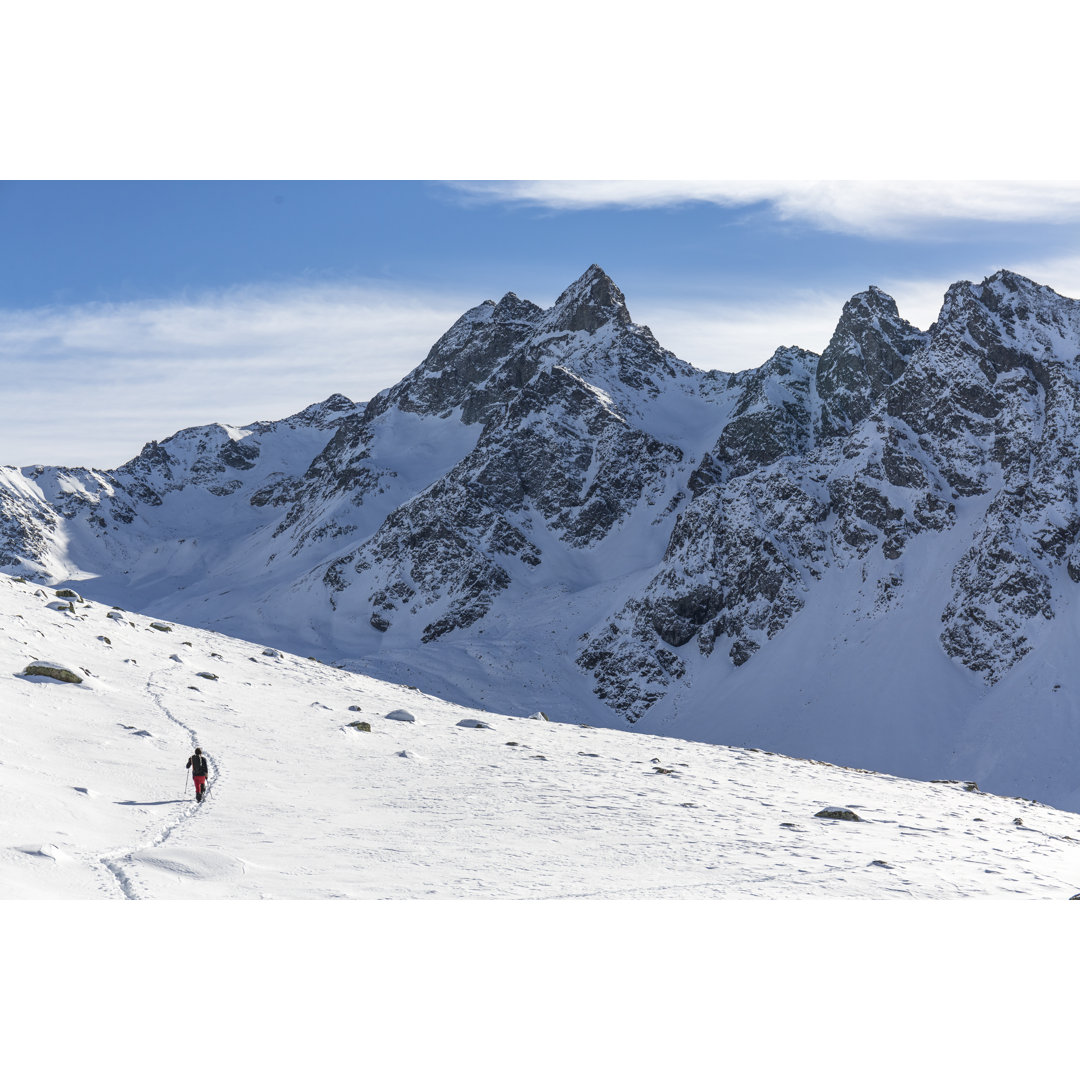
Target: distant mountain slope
554	510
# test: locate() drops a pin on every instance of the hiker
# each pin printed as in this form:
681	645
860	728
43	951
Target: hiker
199	769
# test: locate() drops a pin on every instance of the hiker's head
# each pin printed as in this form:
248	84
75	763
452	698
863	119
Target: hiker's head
198	749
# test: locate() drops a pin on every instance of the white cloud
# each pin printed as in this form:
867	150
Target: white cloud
90	384
862	207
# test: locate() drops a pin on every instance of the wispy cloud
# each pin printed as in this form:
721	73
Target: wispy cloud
90	384
861	207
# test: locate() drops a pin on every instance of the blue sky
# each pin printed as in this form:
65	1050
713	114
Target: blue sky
119	242
164	304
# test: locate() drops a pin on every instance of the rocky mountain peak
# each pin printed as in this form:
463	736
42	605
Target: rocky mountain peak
1013	296
868	351
323	414
871	303
589	303
1010	280
511	308
1005	323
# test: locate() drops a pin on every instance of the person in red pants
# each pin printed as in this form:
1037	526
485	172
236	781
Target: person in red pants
199	770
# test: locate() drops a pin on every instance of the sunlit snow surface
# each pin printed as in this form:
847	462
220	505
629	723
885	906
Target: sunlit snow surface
95	803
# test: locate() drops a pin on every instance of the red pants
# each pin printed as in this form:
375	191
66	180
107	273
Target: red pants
200	783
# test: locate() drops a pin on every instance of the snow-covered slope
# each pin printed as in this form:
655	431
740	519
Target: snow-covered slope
868	556
435	800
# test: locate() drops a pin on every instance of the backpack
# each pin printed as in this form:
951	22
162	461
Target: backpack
198	765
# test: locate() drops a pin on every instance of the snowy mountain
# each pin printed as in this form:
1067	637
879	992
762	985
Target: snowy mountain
867	556
325	783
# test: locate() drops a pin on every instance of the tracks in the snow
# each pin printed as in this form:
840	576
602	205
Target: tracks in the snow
118	863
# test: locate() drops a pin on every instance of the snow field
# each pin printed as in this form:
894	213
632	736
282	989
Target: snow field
301	805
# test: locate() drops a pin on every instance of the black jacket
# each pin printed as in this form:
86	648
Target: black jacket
197	764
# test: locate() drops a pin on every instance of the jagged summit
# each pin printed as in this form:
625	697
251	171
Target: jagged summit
868	351
1002	286
511	308
589	303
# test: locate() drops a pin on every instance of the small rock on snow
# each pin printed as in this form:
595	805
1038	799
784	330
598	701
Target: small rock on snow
838	813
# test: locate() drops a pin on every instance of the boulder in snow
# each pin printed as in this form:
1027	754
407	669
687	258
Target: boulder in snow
272	653
49	669
474	724
163	627
401	714
114	615
838	813
359	725
206	675
70	594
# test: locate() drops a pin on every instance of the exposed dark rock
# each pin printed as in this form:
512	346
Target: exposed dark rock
51	670
838	813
